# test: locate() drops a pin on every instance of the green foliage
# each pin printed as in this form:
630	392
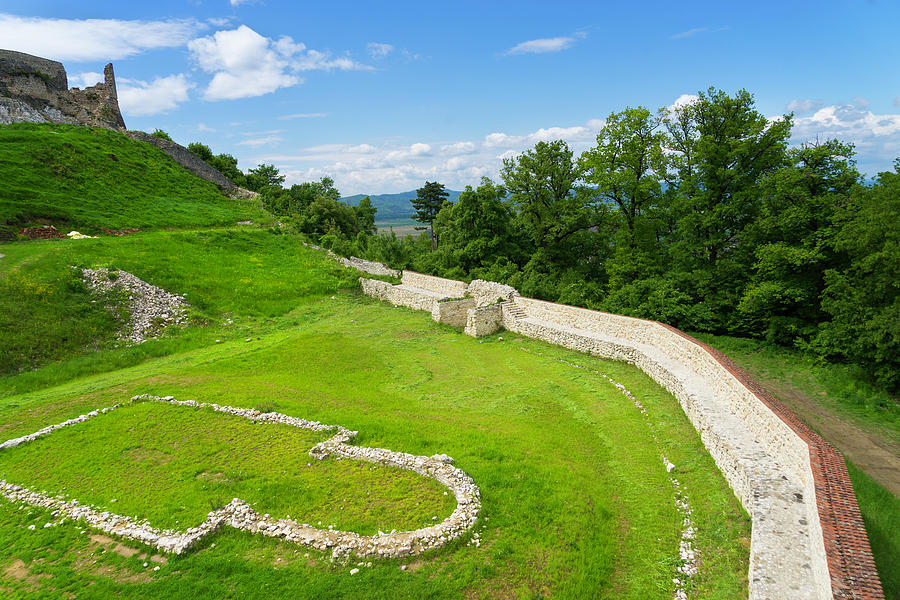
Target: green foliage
723	147
862	298
793	237
162	135
264	176
477	230
223	163
625	170
84	178
428	202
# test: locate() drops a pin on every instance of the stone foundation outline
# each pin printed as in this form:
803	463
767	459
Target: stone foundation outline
240	515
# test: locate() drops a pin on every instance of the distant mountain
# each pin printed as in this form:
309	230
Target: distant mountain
393	207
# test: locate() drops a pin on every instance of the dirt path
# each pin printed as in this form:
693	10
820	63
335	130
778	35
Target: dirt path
874	454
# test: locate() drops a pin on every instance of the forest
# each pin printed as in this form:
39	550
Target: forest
702	216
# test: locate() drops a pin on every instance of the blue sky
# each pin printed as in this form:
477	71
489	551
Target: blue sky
384	96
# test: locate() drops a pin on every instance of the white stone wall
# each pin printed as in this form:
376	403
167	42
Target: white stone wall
446	288
367	266
762	458
766	463
483	320
490	292
452	312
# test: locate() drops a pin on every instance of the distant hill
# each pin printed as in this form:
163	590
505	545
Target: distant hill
393	207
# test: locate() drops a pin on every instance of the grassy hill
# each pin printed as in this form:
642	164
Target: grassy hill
85	178
576	501
393	207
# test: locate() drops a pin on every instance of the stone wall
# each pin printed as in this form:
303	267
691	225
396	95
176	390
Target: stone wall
483	320
808	539
490	292
367	266
447	288
452	312
36	89
192	163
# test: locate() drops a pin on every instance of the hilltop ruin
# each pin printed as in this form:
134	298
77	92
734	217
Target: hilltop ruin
36	90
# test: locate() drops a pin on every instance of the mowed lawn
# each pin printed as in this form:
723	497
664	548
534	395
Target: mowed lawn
576	501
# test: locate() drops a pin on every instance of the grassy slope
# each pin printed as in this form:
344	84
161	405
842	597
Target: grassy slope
576	501
84	178
251	277
837	390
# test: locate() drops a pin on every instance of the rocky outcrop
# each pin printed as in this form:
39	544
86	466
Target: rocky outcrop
36	90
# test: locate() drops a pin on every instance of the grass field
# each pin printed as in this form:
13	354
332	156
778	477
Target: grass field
400	228
576	501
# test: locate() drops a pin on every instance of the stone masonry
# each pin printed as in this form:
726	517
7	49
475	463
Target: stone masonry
36	89
808	540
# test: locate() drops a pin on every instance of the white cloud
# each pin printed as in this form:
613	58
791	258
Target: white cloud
139	98
395	166
861	102
541	46
897	101
695	31
246	64
302	116
362	149
262	141
876	136
83	80
238	2
458	148
378	50
496	140
92	39
804	105
203	127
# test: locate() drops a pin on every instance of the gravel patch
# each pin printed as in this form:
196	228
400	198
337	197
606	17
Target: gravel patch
151	309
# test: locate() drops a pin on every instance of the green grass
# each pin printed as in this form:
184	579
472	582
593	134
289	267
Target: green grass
576	502
840	388
881	513
251	277
173	464
85	178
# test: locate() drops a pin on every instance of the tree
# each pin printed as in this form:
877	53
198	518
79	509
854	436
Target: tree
862	298
428	202
721	148
625	169
365	215
477	230
223	163
264	176
553	205
793	240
